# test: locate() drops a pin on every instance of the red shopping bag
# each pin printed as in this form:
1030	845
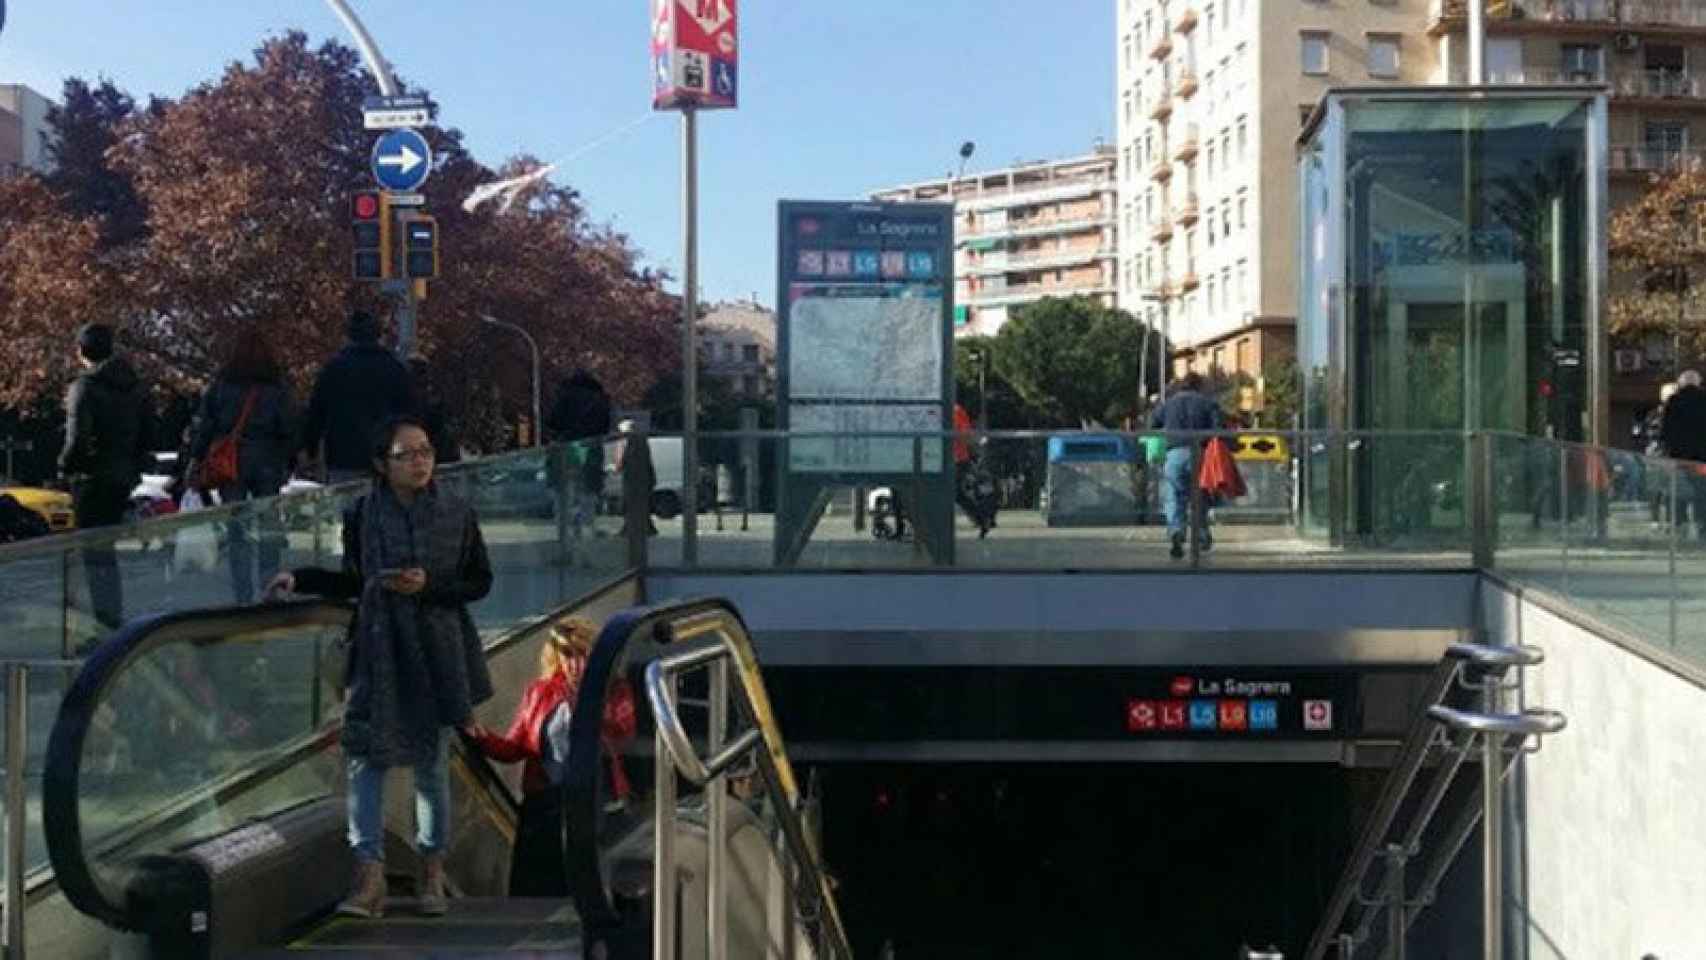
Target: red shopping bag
1597	471
1218	476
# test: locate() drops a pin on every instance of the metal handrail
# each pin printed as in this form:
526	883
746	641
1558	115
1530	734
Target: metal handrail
1493	729
721	639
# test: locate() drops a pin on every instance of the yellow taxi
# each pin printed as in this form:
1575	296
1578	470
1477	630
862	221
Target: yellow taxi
54	506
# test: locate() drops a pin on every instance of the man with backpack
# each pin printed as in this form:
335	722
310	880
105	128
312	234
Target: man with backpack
360	388
107	432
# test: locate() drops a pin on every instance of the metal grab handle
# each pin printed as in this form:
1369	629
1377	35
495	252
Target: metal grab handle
1528	723
1496	657
666	709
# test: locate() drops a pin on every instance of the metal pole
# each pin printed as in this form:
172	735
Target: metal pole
17	741
1492	823
1166	330
1396	922
1142	377
533	345
1675	533
717	804
1477	42
376	62
664	892
689	336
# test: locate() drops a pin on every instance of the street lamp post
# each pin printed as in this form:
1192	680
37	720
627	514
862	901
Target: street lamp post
1163	299
538	423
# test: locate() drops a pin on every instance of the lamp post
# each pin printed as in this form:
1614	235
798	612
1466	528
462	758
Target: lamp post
981	358
1163	298
538	423
966	150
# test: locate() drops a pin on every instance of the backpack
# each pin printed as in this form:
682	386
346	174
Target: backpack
219	468
554	744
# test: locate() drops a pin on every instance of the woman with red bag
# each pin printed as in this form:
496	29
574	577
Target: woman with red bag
1187	410
538	738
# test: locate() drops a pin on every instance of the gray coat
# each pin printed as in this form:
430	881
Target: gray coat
415	664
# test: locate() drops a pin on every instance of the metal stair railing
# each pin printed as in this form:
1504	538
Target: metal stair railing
1464	714
712	640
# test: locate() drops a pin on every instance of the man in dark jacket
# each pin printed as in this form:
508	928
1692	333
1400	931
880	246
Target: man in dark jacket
1683	433
1188	409
106	444
360	388
582	418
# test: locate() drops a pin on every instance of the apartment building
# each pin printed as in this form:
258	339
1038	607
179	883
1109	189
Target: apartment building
23	121
1211	96
1034	230
1651	54
737	345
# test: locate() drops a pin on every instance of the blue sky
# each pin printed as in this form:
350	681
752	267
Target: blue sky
837	97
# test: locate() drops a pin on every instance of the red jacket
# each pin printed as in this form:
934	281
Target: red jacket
521	743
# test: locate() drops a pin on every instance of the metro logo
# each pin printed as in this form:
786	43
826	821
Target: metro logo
1141	716
1182	686
1173	715
1234	715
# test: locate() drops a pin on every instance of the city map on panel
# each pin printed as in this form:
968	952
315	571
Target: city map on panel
866	347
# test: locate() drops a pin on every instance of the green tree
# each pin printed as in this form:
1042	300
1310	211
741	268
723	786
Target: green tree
1074	361
1007	410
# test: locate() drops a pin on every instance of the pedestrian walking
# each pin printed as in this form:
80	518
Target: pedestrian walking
357	390
242	441
581	418
1683	432
415	669
108	424
1188	409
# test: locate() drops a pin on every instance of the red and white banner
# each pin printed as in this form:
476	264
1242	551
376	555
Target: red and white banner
695	54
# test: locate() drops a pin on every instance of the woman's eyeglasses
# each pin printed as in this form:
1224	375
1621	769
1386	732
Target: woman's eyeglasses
412	453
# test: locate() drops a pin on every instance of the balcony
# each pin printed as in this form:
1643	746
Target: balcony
1570	16
1186	213
1643	160
1161	231
1161	171
1187	18
1162	46
1162	108
1659	85
1187	83
1188	145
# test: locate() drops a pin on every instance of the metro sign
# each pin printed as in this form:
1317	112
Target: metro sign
695	54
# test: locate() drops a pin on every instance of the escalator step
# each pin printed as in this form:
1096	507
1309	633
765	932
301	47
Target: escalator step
474	928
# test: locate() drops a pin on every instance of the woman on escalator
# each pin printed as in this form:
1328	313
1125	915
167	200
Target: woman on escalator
414	557
539	737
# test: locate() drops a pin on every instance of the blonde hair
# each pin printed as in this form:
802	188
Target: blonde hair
1666	392
569	637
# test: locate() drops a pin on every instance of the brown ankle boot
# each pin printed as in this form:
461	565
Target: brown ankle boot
367	892
432	901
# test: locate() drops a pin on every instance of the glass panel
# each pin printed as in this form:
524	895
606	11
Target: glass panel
1622	538
46	687
1531	541
188	716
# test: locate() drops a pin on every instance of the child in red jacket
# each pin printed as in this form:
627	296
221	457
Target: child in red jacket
536	866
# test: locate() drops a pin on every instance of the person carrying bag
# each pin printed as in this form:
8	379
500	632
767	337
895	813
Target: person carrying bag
220	468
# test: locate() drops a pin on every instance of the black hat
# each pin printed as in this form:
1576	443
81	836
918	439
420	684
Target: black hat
95	342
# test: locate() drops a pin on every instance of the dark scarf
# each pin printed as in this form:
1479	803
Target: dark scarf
417	666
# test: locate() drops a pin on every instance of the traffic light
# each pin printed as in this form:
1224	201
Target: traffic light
370	221
420	247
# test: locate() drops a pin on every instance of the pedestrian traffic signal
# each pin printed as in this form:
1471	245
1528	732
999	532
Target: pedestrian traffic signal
420	247
370	219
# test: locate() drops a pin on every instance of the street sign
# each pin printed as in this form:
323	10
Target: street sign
401	160
406	199
695	54
390	113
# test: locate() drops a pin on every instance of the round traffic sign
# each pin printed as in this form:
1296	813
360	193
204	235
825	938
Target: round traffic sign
401	160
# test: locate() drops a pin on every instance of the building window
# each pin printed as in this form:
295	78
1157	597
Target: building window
1127	100
1667	136
1128	51
1208	19
1244	137
1383	56
1210	295
1243	209
1244	297
1219	359
1504	60
1314	53
1209	163
1583	62
1226	219
749	353
1244	364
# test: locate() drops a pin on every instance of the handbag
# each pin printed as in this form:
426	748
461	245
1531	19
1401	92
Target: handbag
1219	475
219	468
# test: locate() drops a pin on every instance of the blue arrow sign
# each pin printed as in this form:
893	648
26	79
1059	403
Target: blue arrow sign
401	160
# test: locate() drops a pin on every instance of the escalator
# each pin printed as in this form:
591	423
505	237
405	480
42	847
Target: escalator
194	800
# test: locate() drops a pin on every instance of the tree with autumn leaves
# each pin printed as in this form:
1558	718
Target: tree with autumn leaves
225	213
1658	259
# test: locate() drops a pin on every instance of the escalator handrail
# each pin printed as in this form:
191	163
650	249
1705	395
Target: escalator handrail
650	631
61	811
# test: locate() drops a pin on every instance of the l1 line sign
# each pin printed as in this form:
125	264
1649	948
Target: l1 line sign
695	54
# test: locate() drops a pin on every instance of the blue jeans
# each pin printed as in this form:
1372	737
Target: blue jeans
432	804
1179	474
